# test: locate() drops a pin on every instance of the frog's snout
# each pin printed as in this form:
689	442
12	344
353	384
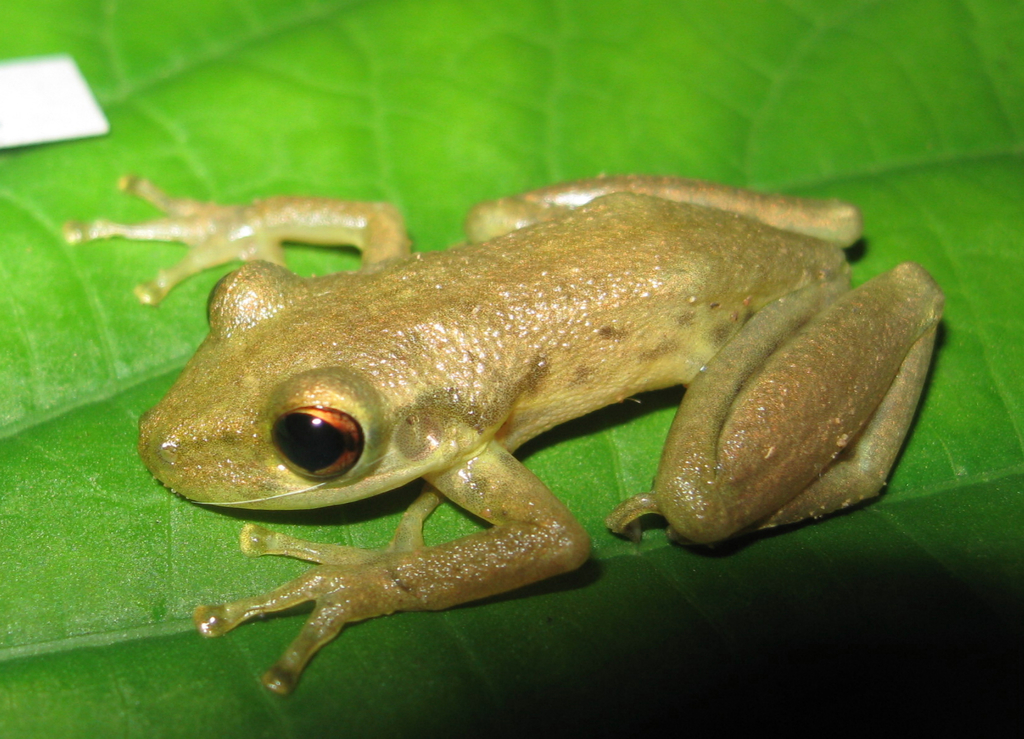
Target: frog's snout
155	450
159	449
205	464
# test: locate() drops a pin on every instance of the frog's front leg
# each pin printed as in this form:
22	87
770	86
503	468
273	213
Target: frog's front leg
217	234
256	541
801	414
533	537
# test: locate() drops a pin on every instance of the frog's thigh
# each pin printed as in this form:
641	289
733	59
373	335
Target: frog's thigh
831	220
860	470
772	411
687	471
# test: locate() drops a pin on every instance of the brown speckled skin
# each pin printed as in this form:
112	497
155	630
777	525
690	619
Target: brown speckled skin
583	294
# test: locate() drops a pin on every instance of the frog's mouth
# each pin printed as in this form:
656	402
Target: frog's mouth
329	492
259	502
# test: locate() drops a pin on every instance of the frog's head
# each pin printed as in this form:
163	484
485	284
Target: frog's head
265	416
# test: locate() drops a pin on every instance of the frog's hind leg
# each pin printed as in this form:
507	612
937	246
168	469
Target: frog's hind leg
217	234
859	471
803	413
830	220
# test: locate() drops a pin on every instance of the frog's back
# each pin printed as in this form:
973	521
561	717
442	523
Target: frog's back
625	294
623	252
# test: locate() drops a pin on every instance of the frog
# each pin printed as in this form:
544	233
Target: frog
437	366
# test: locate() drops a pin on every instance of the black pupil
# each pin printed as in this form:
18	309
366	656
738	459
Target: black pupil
313	444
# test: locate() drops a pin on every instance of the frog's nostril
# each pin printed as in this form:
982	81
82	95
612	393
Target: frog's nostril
168	451
158	448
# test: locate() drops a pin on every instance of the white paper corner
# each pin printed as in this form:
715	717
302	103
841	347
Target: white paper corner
46	99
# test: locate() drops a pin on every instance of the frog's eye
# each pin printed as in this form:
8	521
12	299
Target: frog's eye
321	442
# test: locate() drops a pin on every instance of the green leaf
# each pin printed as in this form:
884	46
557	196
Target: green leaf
914	110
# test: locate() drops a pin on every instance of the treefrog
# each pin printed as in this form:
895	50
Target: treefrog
437	366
